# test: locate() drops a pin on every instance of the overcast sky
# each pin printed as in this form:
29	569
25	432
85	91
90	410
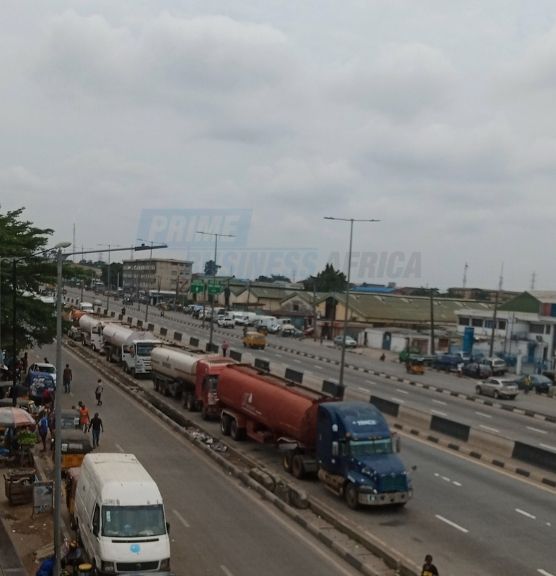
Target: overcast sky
435	117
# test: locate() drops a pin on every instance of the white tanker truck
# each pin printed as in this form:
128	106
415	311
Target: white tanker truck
191	374
132	348
91	332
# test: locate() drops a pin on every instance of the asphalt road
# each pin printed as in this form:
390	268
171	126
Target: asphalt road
217	526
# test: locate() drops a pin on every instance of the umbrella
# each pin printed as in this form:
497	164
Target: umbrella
15	417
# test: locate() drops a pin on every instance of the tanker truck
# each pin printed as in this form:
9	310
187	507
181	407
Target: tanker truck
191	374
347	444
131	348
91	332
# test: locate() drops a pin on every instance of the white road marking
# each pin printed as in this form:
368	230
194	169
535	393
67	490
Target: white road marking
298	361
445	478
370	381
402	391
544	572
318	367
119	448
452	524
226	571
441	402
526	514
458	484
181	519
362	389
279	355
483	414
399	400
536	430
438	413
488	428
548	446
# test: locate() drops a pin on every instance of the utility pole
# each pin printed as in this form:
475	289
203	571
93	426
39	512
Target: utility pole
432	321
496	297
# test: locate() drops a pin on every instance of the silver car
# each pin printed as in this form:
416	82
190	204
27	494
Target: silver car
498	388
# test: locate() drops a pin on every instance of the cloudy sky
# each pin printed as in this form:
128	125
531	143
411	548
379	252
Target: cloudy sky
434	117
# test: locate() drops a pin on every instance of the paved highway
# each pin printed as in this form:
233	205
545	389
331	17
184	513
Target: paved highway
217	526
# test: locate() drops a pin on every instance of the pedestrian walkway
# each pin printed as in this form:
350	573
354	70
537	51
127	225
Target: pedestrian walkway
10	563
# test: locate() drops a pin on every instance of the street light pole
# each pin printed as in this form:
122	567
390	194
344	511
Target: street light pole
58	412
343	353
14	339
149	279
215	270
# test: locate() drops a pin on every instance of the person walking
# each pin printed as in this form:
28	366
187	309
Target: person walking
43	429
429	569
98	392
97	427
225	347
68	376
84	417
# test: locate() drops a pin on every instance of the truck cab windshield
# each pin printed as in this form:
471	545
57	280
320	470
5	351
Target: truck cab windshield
360	448
133	521
144	349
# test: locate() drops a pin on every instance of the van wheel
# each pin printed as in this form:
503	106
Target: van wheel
225	422
236	432
351	496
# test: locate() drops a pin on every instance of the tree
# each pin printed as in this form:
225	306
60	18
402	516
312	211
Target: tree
20	242
211	269
329	280
273	278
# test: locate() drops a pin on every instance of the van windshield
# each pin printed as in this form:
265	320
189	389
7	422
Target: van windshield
133	521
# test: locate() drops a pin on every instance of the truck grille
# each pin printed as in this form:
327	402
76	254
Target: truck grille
393	483
136	566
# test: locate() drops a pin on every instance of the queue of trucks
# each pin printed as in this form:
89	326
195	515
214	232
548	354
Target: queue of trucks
348	446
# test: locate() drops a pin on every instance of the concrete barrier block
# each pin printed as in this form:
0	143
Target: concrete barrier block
490	443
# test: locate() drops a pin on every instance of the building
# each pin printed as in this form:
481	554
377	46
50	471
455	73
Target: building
525	327
156	274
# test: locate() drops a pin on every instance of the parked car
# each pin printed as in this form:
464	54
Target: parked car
290	330
477	370
226	322
498	388
539	383
350	342
497	365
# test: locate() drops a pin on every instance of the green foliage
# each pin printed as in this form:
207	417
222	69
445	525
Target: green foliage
20	242
329	280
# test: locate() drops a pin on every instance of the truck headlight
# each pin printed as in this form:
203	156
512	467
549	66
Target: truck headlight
165	565
108	567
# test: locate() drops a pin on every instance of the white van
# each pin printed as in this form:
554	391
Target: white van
268	322
86	307
119	515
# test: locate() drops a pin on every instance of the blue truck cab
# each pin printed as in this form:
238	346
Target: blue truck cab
356	457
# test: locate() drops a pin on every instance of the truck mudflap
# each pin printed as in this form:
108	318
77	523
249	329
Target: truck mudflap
384	499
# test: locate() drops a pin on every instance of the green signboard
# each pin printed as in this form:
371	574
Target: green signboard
197	288
214	289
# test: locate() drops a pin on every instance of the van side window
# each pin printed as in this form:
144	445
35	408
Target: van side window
96	520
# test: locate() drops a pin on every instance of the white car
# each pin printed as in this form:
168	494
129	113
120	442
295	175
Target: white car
498	388
350	342
225	322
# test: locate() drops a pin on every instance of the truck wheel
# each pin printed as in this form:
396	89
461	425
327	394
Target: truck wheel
287	461
225	424
190	403
351	496
298	469
236	432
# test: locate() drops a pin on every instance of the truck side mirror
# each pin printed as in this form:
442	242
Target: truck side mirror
335	449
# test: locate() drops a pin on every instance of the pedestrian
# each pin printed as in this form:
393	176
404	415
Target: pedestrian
43	429
225	347
96	426
382	357
527	384
98	392
429	569
68	376
46	360
84	417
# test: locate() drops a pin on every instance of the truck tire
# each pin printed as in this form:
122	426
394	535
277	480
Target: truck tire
287	461
298	469
237	433
351	496
190	403
225	422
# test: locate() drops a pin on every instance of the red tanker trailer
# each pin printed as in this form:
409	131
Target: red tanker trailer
348	444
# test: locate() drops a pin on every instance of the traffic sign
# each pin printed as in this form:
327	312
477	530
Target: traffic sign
197	288
214	289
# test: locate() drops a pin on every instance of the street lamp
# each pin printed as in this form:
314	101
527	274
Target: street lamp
108	273
149	276
215	270
351	221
